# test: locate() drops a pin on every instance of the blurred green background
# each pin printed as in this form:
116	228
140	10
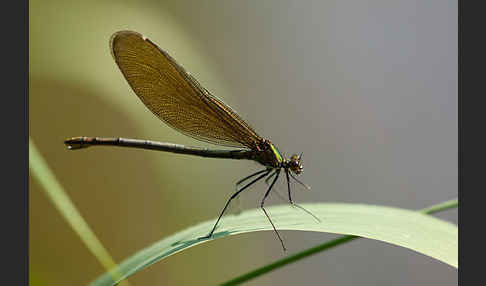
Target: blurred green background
366	89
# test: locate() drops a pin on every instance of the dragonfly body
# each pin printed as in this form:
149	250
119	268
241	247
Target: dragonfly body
176	98
264	153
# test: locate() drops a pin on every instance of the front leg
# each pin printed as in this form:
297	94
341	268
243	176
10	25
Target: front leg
292	202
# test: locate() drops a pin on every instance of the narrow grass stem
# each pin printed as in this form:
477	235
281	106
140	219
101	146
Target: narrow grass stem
56	194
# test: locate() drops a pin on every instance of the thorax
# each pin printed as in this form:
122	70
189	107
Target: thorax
267	154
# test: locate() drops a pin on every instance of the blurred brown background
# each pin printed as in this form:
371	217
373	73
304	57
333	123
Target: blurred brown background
366	89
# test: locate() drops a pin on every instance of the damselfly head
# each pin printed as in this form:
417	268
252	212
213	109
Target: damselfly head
295	164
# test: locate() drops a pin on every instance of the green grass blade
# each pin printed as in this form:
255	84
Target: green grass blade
322	247
440	207
56	194
410	229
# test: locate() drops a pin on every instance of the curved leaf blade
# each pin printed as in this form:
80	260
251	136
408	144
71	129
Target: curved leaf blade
410	229
451	204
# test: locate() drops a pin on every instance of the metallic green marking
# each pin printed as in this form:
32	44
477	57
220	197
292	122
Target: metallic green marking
277	153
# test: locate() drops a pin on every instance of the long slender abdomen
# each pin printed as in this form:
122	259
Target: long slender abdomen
84	142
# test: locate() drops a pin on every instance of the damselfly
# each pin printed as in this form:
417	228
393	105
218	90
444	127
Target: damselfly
176	98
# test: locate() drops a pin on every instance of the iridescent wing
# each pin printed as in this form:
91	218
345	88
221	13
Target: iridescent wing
176	97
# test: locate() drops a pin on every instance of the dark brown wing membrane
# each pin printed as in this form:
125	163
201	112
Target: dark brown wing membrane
175	96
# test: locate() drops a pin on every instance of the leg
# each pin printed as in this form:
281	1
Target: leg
298	181
288	185
270	177
236	208
263	202
277	191
290	197
232	197
248	177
